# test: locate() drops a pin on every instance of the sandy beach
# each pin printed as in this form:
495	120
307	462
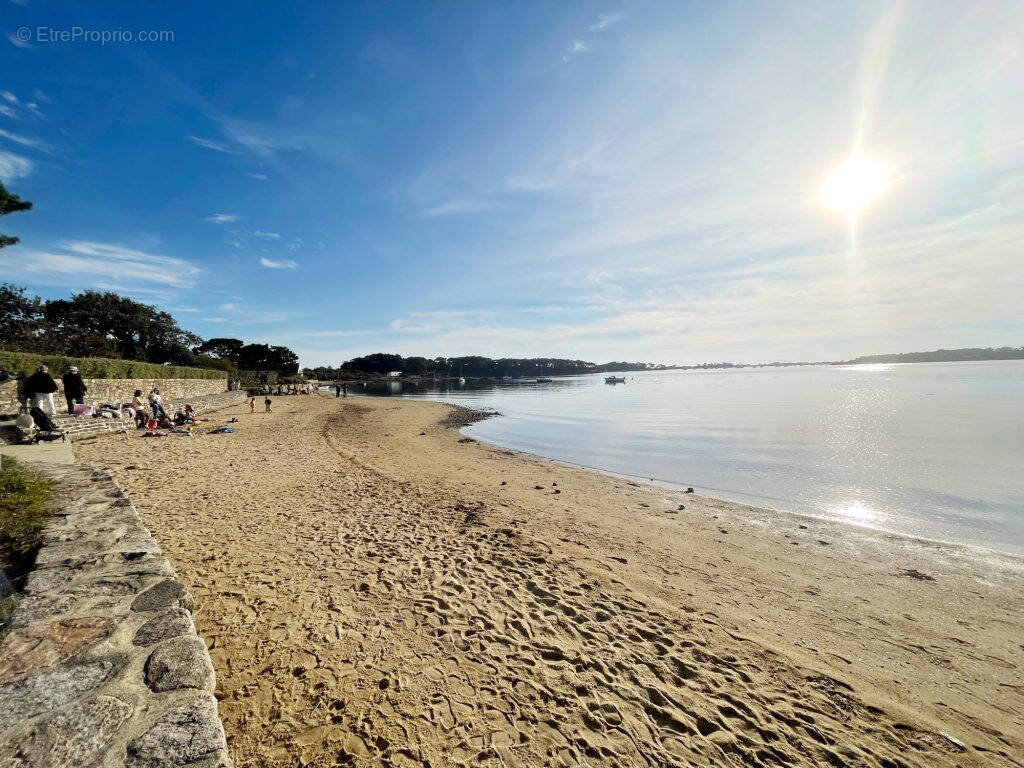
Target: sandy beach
378	590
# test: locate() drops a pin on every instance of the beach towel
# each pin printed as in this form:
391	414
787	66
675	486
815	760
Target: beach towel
83	410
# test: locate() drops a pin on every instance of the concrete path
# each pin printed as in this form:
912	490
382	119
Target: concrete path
52	453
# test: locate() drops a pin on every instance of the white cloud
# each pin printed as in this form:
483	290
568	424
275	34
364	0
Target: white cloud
462	205
14	166
259	176
8	112
606	20
222	218
216	146
271	264
84	263
16	41
190	310
267	235
26	141
215	319
228	307
578	46
9	97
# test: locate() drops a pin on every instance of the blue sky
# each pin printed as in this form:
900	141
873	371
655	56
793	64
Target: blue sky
602	180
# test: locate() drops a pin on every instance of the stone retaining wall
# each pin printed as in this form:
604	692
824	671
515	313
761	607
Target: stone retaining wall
119	391
80	427
103	666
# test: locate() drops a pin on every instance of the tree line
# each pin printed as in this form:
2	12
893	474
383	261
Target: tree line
105	324
475	366
942	356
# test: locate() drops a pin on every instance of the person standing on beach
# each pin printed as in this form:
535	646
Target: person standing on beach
252	405
74	388
344	390
337	390
39	387
266	404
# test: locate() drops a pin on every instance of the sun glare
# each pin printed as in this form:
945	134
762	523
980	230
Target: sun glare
854	184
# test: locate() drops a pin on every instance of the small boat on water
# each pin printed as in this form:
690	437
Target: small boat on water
614	379
544	381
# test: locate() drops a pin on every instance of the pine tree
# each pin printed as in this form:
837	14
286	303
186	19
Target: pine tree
10	204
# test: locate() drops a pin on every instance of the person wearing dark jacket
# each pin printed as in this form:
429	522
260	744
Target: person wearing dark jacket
39	387
74	388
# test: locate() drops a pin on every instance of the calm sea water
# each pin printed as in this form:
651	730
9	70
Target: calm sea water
933	450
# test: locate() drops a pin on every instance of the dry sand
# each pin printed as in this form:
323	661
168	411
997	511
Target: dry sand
377	590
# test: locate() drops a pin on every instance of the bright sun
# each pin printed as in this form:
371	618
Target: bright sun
854	184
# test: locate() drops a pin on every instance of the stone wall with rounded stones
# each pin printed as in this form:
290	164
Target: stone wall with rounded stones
102	666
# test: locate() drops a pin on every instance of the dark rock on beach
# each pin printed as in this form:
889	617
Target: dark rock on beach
460	416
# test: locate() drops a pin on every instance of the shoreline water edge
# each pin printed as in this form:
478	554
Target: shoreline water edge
376	586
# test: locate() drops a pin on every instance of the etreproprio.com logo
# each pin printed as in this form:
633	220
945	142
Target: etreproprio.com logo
101	36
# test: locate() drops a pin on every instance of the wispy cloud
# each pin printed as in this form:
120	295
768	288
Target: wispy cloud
26	141
10	112
258	176
215	319
606	20
85	263
17	42
228	306
216	146
14	166
463	205
272	264
267	235
222	218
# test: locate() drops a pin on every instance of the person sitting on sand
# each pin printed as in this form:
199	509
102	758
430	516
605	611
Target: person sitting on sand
185	416
252	404
155	405
267	404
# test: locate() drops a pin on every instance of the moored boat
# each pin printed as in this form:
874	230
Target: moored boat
614	379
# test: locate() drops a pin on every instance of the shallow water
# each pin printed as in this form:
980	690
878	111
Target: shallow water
933	449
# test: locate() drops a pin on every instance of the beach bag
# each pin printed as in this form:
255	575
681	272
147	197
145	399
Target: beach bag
152	424
83	410
42	420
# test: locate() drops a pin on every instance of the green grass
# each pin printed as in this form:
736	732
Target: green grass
25	508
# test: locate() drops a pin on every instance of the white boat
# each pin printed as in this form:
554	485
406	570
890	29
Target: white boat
614	380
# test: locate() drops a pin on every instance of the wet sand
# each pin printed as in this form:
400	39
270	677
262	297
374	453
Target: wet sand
377	589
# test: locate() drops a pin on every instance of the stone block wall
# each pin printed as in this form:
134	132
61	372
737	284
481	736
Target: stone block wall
119	391
102	666
82	427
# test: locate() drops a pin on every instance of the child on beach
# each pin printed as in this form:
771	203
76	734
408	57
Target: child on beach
267	404
252	405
